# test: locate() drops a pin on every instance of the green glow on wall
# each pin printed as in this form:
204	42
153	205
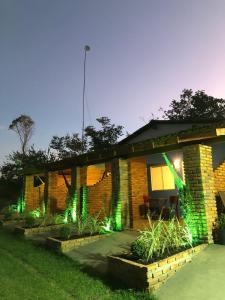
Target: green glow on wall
66	214
36	213
20	204
118	217
84	211
118	213
195	220
44	209
178	181
107	225
73	210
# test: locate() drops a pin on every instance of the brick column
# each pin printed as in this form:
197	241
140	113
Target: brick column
138	189
200	180
83	192
120	193
75	191
29	192
83	176
46	193
52	190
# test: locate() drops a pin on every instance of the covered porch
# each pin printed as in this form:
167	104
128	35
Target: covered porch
129	181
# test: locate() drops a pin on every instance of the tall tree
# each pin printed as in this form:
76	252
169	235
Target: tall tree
104	137
94	139
68	145
196	106
13	168
23	126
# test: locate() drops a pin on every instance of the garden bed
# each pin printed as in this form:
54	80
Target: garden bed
37	230
151	276
13	222
61	246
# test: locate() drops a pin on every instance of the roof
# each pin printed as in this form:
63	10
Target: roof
154	123
209	133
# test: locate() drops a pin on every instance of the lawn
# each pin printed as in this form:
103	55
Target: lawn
31	272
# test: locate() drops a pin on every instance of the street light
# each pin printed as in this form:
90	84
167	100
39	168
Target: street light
86	49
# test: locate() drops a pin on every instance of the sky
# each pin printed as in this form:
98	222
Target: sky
143	54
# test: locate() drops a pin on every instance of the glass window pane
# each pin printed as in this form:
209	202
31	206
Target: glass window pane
156	178
168	180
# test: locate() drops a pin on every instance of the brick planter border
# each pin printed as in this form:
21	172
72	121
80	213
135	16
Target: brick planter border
37	230
64	246
140	276
13	222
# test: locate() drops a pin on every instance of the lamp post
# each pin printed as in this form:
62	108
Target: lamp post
86	49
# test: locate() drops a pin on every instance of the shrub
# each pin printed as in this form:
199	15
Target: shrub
66	232
93	225
58	219
138	248
9	211
30	221
161	239
81	225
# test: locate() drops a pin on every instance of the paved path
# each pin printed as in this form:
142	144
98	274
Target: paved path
202	279
94	255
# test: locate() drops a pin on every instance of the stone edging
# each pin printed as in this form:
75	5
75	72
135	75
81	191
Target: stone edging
64	246
140	276
37	230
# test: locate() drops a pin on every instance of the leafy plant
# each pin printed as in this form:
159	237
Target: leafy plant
66	231
30	221
10	212
160	239
57	219
94	225
81	225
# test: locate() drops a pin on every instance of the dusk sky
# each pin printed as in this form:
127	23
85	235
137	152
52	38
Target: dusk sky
143	54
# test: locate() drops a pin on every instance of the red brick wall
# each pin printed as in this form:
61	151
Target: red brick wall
99	196
219	178
138	188
57	191
33	195
94	174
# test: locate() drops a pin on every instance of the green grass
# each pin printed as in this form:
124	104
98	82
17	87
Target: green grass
31	272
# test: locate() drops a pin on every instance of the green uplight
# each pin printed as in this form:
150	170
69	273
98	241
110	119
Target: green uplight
36	213
195	221
118	214
66	214
74	208
106	225
84	209
20	204
178	181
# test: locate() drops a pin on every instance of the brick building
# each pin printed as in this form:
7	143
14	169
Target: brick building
122	181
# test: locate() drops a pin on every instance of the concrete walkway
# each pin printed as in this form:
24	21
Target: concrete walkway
202	279
94	255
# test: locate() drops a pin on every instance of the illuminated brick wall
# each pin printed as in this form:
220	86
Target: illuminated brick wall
137	189
120	193
33	195
99	196
57	191
95	173
219	178
200	178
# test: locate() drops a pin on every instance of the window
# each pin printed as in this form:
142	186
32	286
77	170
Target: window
161	178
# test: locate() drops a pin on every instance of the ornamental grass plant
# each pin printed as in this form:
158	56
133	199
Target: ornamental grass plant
161	239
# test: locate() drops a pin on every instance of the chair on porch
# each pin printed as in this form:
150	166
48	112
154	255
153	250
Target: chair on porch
174	204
